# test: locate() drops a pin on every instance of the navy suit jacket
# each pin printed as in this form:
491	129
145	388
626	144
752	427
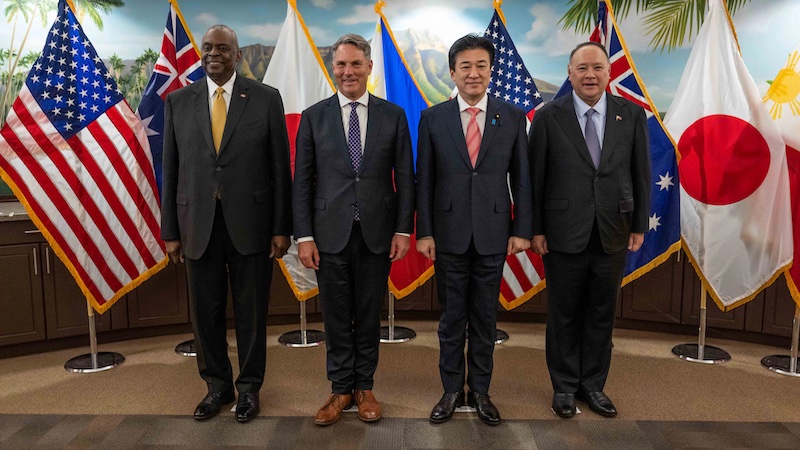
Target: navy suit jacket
251	171
457	203
570	194
326	187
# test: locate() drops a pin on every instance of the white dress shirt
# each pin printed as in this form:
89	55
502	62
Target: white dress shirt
212	92
599	117
465	116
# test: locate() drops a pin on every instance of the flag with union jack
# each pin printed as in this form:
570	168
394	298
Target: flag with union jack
663	237
523	273
78	160
178	65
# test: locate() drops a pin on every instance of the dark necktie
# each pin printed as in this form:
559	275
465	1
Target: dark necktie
354	145
592	141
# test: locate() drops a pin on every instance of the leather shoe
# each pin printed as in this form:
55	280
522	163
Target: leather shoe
211	404
599	403
487	412
564	404
247	407
443	411
369	410
331	411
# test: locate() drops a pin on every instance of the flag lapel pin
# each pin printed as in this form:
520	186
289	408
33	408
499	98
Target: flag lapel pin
619	118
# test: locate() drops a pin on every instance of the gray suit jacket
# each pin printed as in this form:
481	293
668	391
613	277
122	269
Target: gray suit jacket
326	187
456	203
570	194
251	171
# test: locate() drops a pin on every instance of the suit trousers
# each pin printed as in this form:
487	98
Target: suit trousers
468	287
352	286
582	290
250	280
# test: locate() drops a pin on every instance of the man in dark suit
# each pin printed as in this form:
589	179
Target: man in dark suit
352	219
470	150
226	208
591	207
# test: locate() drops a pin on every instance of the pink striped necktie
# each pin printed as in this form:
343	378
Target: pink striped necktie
473	135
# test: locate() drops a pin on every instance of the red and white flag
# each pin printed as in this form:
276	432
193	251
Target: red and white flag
297	71
78	159
735	209
783	101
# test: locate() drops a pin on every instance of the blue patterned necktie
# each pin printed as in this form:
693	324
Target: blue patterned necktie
592	140
354	145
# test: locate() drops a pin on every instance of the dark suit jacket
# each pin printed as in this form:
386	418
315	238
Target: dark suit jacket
570	194
326	187
456	203
251	171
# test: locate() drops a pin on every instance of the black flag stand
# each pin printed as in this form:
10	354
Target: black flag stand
783	364
93	362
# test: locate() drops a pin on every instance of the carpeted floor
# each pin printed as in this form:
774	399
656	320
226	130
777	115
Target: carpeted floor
663	402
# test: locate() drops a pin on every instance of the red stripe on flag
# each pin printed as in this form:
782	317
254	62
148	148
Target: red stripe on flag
519	273
506	292
72	221
43	217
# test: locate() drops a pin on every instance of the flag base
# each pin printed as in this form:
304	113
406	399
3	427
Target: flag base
711	355
500	338
781	364
91	363
313	338
186	348
396	335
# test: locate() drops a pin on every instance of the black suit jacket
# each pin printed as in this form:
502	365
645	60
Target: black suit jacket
251	171
326	187
456	203
570	194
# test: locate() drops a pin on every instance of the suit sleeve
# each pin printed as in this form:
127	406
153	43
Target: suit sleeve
426	172
522	225
640	166
304	180
538	155
170	166
404	177
281	169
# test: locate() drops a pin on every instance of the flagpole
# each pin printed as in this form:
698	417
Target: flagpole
302	338
93	361
700	352
394	334
782	364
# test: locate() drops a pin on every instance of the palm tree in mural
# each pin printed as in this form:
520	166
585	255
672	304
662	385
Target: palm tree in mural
150	56
669	22
117	66
93	8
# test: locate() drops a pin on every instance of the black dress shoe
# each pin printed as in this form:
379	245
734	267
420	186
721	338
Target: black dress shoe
487	412
443	411
211	404
599	403
564	404
247	407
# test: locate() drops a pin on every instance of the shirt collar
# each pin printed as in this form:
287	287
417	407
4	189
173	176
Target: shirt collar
344	101
581	107
463	105
228	86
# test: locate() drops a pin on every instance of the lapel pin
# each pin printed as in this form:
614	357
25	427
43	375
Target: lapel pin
619	118
496	120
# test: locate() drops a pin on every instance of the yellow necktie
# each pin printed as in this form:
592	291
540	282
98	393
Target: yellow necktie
218	115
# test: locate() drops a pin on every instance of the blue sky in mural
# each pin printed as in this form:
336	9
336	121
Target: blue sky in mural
768	30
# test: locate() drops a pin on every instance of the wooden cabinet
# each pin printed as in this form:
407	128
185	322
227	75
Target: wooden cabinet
656	295
161	300
21	306
779	309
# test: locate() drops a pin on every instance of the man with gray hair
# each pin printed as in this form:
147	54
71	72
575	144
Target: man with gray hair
352	219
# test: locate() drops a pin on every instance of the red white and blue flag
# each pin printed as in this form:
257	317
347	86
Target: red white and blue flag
663	236
523	273
77	158
178	65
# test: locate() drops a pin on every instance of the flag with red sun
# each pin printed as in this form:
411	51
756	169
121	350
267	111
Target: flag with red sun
735	208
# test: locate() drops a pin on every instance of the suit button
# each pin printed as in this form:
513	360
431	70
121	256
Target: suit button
591	205
474	174
219	169
595	179
358	179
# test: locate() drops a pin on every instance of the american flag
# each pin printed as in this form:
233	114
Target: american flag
663	237
523	273
78	159
178	65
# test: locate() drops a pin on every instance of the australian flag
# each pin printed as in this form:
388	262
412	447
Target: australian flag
178	65
663	237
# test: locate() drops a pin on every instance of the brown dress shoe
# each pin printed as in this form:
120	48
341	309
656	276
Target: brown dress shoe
369	410
331	411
